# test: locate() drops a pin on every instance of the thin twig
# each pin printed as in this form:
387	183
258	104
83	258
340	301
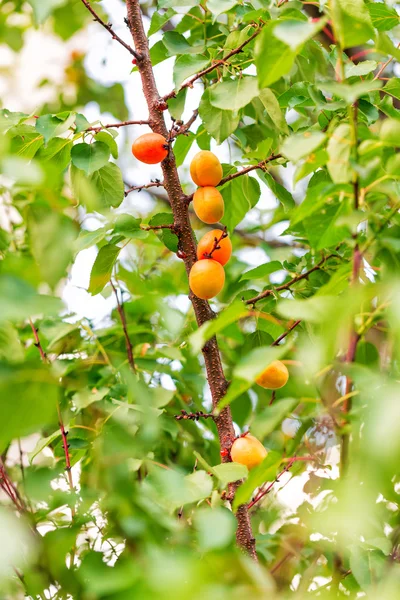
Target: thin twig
116	125
110	30
193	416
128	343
155	227
288	285
263	493
38	343
218	63
139	188
216	245
260	165
285	333
184	128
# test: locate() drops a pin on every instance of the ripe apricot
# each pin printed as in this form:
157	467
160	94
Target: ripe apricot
208	204
248	450
206	278
150	148
274	376
205	169
211	239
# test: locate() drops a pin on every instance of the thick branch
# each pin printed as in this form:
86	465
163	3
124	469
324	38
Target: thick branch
110	30
116	125
203	311
128	343
218	63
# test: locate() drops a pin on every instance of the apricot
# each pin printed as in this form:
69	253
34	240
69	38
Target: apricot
274	376
205	169
248	450
208	204
206	278
150	148
213	238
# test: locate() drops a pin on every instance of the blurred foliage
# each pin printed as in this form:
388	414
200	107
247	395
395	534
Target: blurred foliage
147	515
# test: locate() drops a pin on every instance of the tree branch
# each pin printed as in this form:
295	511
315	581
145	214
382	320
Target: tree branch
285	333
110	30
139	188
60	421
288	285
116	125
189	83
184	128
215	374
260	165
128	343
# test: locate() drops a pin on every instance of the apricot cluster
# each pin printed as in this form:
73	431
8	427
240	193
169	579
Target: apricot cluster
207	276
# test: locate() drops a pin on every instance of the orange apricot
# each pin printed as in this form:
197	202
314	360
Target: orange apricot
274	376
213	238
248	451
208	204
150	148
205	169
206	278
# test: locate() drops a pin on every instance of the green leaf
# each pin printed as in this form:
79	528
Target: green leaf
302	144
109	184
9	119
57	153
174	3
128	226
228	472
176	106
393	87
339	152
234	94
362	68
187	65
273	58
272	416
348	92
19	300
273	109
37	394
26	141
158	20
50	126
43	8
383	17
385	46
217	7
215	528
240	195
102	268
90	157
352	22
266	471
295	33
218	123
41	444
314	310
262	270
107	138
175	43
182	147
235	311
169	239
281	193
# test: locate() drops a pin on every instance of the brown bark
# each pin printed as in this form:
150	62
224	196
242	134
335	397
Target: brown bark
215	374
